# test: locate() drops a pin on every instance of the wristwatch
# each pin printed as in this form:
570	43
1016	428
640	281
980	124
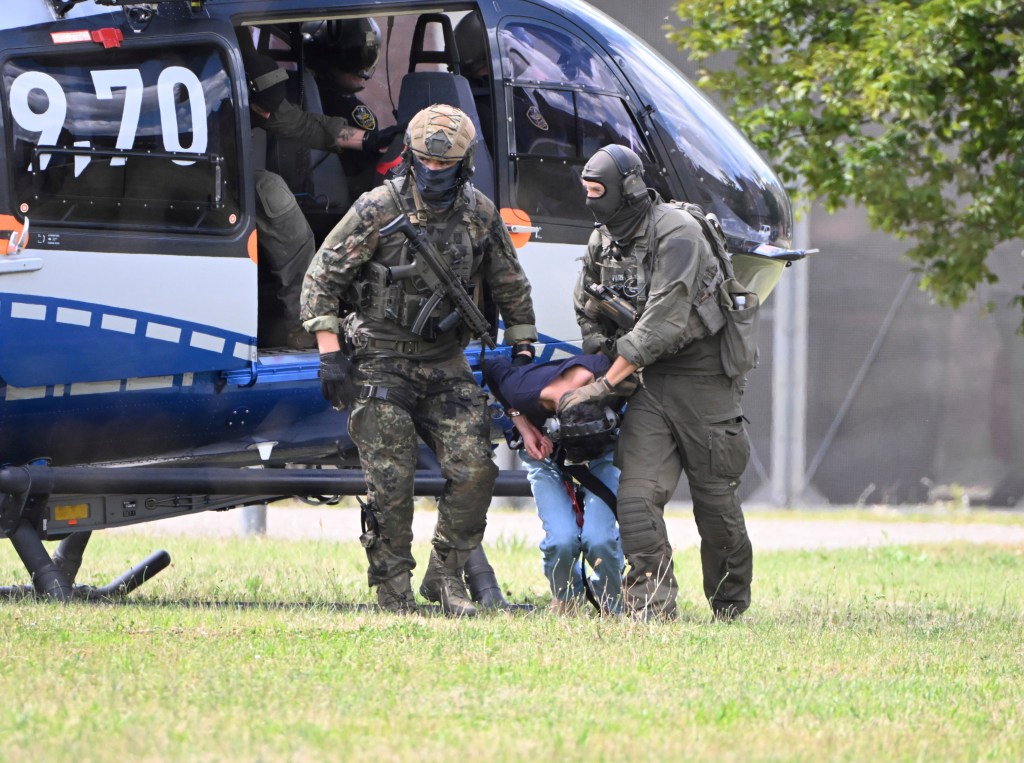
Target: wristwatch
513	412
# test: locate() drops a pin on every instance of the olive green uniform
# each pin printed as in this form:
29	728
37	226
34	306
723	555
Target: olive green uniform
285	240
306	127
416	384
687	415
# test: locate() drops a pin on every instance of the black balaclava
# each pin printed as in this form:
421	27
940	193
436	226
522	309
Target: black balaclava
438	188
625	203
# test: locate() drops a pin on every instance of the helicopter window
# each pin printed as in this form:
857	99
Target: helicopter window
725	174
536	53
566	103
125	136
555	133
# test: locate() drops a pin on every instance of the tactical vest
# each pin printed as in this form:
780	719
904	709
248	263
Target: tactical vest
389	287
629	276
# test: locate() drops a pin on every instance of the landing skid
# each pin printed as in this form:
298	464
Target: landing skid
53	577
40	503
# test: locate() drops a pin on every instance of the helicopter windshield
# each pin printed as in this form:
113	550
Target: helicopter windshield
720	167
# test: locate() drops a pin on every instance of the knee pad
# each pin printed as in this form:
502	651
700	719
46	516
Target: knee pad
642	489
639	526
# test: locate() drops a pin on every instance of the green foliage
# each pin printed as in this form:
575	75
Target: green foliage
913	109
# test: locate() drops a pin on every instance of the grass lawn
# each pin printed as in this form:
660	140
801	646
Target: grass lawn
258	650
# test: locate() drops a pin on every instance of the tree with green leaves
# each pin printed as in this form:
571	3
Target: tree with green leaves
913	109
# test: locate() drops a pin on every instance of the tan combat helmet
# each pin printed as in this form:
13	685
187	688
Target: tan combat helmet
441	131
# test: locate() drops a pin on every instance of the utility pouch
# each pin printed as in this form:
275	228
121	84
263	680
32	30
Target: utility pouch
369	524
739	336
378	297
711	315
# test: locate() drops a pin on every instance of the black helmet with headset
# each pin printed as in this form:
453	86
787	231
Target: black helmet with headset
348	45
625	198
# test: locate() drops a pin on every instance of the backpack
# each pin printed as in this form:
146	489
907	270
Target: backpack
739	306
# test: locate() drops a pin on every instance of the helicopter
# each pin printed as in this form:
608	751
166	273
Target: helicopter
134	382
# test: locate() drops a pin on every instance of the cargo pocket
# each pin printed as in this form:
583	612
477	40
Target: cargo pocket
728	449
363	424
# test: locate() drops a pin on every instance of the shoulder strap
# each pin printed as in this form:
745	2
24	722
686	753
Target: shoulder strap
396	197
713	233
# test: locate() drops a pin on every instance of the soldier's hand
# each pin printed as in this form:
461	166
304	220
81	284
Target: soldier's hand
598	344
336	382
597	391
375	141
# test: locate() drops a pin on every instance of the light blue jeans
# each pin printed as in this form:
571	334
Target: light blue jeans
598	539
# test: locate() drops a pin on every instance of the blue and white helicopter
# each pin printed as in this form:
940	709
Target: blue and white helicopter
133	382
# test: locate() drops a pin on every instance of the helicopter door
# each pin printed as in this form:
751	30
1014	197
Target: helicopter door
121	156
565	102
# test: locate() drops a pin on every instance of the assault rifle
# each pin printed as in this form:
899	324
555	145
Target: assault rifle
439	278
612	306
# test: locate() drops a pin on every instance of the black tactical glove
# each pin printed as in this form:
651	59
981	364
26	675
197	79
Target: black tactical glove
336	382
375	141
523	354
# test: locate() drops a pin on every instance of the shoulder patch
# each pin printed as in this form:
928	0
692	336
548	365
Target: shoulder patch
364	118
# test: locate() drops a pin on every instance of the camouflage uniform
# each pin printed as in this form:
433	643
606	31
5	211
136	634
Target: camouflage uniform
687	416
415	385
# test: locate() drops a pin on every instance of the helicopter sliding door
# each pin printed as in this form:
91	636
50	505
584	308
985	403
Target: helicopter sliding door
121	161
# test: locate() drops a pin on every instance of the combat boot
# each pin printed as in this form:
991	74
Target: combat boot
395	594
483	583
444	585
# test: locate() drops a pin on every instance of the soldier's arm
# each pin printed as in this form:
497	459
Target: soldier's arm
662	325
347	247
509	287
314	130
595	339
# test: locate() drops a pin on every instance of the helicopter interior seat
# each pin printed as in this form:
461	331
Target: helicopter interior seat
421	89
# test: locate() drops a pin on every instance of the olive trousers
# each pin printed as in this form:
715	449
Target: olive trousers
679	424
